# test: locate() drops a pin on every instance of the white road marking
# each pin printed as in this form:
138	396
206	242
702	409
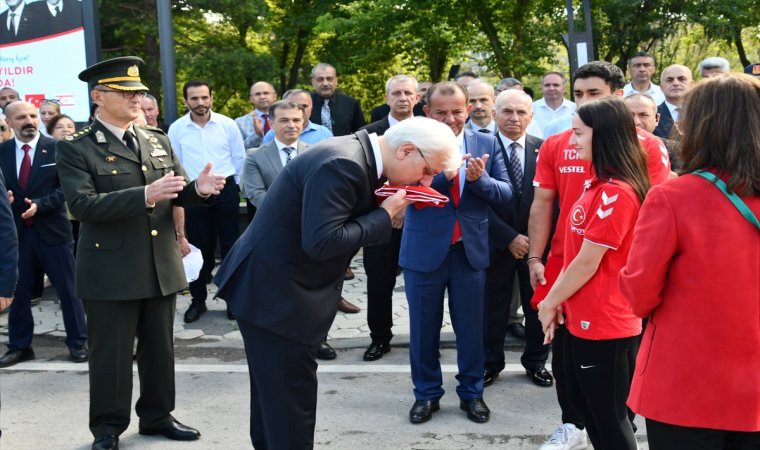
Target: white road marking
243	368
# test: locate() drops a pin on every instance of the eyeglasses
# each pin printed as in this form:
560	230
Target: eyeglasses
432	173
129	95
54	100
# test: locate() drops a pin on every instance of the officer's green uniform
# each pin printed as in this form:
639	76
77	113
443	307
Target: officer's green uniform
128	265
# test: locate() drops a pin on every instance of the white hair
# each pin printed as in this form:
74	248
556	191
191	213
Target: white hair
434	139
716	62
401	78
516	93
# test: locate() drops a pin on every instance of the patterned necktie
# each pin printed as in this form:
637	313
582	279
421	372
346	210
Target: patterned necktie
289	151
13	24
131	143
454	190
23	174
514	161
326	118
267	126
485	130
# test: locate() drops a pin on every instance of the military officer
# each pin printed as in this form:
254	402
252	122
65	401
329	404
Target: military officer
117	178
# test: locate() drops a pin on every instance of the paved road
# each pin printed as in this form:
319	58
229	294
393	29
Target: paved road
361	405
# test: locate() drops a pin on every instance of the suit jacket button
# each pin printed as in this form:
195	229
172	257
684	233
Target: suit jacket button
97	245
338	286
144	169
154	233
114	172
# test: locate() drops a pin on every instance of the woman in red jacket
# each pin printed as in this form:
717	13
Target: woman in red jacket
694	268
601	339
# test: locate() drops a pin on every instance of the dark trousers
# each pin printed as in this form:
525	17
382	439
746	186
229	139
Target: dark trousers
38	283
283	389
664	436
424	292
58	262
598	383
250	210
203	225
112	327
500	280
569	415
380	263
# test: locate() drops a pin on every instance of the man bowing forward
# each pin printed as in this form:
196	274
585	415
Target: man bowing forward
283	277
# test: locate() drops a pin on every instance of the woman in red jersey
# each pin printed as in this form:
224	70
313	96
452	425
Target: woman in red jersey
694	268
601	340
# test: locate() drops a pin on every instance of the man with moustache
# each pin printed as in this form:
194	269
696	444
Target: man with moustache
254	125
481	99
646	117
381	260
311	132
675	81
117	178
340	113
200	136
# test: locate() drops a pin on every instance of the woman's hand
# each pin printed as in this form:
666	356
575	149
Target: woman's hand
550	317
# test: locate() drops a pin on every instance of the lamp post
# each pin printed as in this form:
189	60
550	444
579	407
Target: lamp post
166	46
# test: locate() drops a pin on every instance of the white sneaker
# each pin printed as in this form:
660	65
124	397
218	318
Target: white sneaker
566	437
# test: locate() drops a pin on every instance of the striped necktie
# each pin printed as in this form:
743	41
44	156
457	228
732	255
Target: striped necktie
514	161
289	151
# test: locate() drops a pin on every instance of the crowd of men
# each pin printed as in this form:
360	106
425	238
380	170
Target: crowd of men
490	258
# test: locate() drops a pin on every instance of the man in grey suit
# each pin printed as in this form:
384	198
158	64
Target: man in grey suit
263	164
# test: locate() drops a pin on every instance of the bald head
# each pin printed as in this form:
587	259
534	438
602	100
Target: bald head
513	113
262	96
675	82
23	118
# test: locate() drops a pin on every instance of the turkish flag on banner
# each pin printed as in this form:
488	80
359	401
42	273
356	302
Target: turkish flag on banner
35	99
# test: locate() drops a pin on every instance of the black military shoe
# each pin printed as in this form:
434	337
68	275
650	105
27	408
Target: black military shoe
540	377
489	375
476	408
106	443
376	351
423	410
11	358
195	311
324	351
79	354
174	431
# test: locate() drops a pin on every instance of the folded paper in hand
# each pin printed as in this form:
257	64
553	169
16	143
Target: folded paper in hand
421	195
193	263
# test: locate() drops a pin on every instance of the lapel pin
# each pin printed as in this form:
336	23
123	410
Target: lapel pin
44	151
111	159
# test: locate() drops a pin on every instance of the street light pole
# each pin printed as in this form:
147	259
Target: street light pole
166	46
580	44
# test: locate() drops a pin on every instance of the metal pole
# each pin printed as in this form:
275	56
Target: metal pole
91	20
166	46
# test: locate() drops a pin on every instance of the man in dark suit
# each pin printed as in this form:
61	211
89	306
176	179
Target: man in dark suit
23	21
283	277
65	15
117	178
44	232
381	261
447	248
675	82
508	233
340	113
8	252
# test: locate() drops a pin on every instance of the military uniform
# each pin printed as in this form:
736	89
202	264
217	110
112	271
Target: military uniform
129	265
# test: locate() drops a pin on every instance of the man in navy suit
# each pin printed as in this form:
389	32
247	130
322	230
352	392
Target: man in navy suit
282	279
44	232
448	248
676	81
8	252
508	233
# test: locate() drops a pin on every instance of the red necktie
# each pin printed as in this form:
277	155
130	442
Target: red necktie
455	197
23	173
267	127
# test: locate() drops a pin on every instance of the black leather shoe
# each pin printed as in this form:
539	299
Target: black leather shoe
79	354
11	358
476	408
324	351
194	312
489	375
349	274
517	330
376	351
540	377
423	410
174	431
106	443
229	314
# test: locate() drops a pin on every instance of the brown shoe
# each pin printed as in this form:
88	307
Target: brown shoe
349	274
347	307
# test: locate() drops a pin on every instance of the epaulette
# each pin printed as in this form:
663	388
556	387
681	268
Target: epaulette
79	134
148	127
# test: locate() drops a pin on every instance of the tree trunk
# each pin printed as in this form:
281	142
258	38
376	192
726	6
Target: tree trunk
303	41
487	26
740	46
283	64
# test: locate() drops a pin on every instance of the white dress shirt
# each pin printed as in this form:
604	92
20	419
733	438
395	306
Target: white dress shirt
283	153
16	18
543	114
20	152
219	141
392	120
378	155
672	108
519	149
463	169
654	91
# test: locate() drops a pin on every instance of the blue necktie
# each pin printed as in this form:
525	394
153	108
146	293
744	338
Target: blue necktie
289	151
